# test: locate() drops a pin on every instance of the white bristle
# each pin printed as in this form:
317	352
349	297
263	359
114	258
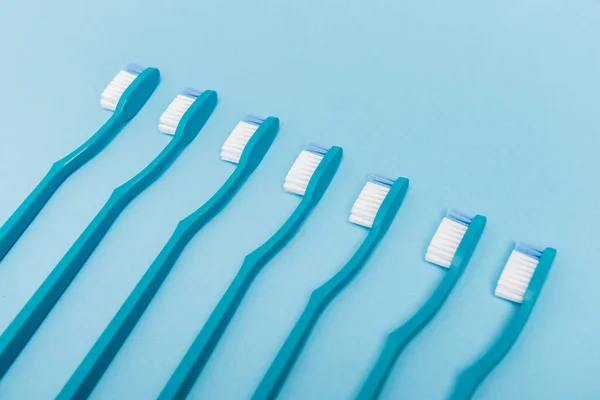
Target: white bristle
115	89
170	118
367	204
445	242
516	276
298	177
234	145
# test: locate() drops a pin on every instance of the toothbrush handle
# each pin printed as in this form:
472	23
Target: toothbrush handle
397	340
272	382
195	359
277	373
469	380
183	378
91	369
18	333
18	222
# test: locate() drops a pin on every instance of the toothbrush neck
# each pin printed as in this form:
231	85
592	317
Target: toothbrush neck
283	234
326	292
201	216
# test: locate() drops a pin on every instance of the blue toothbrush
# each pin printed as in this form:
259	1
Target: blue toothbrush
309	177
375	208
521	282
125	95
451	247
246	147
188	113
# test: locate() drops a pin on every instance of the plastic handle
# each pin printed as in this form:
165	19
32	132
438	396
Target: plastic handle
399	339
18	333
89	372
131	102
279	370
199	352
182	380
470	379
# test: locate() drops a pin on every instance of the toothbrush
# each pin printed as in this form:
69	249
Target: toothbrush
309	177
126	94
186	114
521	282
451	247
375	208
246	147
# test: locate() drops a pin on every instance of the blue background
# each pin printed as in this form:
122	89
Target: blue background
489	107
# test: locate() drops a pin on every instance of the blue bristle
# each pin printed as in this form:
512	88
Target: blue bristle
459	217
253	119
382	180
529	250
317	149
133	68
191	92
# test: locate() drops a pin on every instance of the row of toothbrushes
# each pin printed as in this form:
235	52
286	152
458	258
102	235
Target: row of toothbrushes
309	177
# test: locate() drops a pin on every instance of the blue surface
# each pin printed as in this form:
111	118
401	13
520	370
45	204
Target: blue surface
490	108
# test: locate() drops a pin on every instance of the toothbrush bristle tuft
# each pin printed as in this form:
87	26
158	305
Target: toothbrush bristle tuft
447	238
172	116
238	139
369	200
298	177
112	93
517	272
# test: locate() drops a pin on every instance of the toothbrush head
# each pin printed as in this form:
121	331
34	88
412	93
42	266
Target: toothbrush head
365	208
516	277
249	141
238	138
455	239
447	238
129	90
171	117
299	176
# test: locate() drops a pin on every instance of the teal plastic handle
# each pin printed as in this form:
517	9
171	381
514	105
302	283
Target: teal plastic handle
399	339
130	103
31	316
199	352
279	370
89	372
470	379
